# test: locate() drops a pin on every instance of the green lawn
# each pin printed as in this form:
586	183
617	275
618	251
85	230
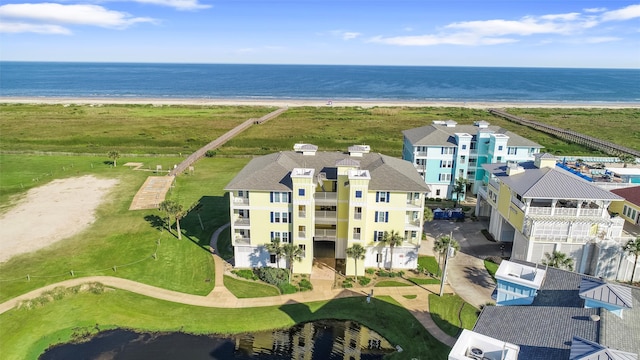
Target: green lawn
491	268
423	281
449	310
429	263
390	283
25	334
119	236
249	289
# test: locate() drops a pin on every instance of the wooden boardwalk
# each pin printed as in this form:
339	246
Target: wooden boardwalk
152	193
572	136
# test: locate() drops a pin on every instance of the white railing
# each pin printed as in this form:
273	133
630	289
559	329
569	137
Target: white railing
302	234
495	184
539	211
357	216
356	236
561	211
329	215
241	201
413	203
242	222
325	196
242	241
550	238
482	191
302	214
518	203
326	233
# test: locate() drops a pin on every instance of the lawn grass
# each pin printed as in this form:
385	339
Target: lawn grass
429	263
243	289
119	236
448	311
423	281
25	334
410	297
129	129
491	268
225	249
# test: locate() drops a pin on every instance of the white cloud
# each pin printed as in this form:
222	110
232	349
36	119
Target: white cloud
627	13
601	39
177	4
50	13
17	27
501	31
345	35
595	10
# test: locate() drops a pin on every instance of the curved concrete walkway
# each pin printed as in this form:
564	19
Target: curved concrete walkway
220	297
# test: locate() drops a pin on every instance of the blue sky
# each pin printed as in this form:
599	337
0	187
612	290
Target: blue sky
543	33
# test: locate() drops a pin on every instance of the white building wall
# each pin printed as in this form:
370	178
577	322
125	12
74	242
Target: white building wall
404	257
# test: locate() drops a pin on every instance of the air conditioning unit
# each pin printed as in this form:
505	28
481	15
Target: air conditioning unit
475	353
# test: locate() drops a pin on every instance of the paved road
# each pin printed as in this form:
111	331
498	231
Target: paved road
466	272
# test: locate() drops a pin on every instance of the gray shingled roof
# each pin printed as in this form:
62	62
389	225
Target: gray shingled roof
441	135
544	329
272	172
616	295
549	183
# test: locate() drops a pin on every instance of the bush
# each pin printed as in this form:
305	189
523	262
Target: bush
246	274
286	288
364	281
438	199
370	271
347	284
384	273
210	153
273	276
305	285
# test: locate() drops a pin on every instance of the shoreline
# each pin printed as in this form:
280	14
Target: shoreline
312	102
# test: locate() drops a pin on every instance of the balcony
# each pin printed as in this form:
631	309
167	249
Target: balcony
563	211
326	217
325	234
482	192
326	198
413	225
417	203
357	236
241	201
357	216
241	221
241	241
302	234
302	214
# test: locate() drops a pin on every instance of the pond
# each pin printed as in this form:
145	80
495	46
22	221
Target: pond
321	340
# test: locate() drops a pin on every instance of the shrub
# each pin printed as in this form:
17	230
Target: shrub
246	274
347	284
273	276
364	281
370	271
286	288
305	285
210	153
438	199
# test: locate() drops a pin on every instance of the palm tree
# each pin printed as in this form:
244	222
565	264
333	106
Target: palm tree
632	247
114	155
558	260
428	214
392	239
357	253
275	248
292	253
172	208
459	189
627	159
441	245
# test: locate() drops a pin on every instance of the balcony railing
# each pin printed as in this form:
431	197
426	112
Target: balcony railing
518	203
357	236
302	214
326	233
357	216
414	203
241	201
326	215
242	221
561	211
242	241
302	234
326	196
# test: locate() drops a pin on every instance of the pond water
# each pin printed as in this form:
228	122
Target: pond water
321	340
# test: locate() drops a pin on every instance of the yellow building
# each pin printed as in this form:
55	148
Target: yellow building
326	202
629	209
542	208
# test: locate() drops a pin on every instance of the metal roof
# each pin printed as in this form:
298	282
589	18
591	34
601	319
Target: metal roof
616	295
441	135
583	349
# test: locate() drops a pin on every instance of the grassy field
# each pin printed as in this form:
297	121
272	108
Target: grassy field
25	334
451	313
130	129
492	268
243	289
120	236
142	129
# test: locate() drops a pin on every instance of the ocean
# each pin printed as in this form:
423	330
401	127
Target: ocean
326	82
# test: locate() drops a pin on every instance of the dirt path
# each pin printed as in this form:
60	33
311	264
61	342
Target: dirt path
50	213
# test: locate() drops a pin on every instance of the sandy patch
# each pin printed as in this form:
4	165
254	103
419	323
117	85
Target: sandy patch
50	213
317	103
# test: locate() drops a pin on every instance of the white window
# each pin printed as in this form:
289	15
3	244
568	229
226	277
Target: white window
446	163
279	217
357	213
283	236
437	192
500	147
511	150
444	177
448	150
382	196
356	233
378	235
279	197
382	216
303	247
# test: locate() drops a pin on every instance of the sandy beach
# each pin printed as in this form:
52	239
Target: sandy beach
312	102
